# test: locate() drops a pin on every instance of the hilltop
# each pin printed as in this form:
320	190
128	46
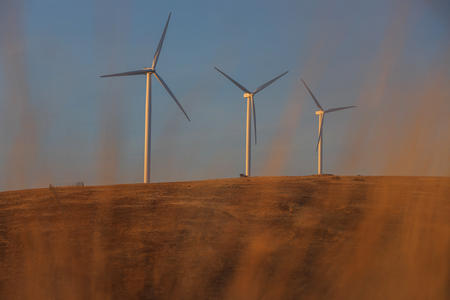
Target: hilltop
315	237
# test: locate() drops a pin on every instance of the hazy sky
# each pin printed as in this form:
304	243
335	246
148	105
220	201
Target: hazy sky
60	123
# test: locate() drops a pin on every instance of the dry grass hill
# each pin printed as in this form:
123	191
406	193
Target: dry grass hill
317	237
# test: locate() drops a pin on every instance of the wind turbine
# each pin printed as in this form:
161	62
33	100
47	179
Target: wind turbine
321	113
148	99
250	107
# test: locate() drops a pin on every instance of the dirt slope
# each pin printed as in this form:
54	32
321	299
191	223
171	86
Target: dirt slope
261	238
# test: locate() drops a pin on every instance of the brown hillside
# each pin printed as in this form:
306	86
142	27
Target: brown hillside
312	237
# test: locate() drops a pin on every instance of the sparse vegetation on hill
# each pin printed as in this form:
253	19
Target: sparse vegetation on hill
318	237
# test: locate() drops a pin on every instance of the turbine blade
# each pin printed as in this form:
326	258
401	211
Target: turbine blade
312	95
254	116
137	72
171	94
320	133
260	88
161	41
339	108
232	80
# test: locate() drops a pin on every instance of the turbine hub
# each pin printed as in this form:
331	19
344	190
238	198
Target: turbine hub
247	95
320	112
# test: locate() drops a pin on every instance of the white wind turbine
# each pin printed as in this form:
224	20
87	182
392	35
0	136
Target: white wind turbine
148	99
321	112
250	107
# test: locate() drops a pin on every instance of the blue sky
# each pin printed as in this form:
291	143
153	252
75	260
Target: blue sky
91	129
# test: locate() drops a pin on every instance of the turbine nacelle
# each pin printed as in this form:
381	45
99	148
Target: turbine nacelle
248	95
320	112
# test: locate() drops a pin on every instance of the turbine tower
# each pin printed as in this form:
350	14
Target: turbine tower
250	107
148	72
321	113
